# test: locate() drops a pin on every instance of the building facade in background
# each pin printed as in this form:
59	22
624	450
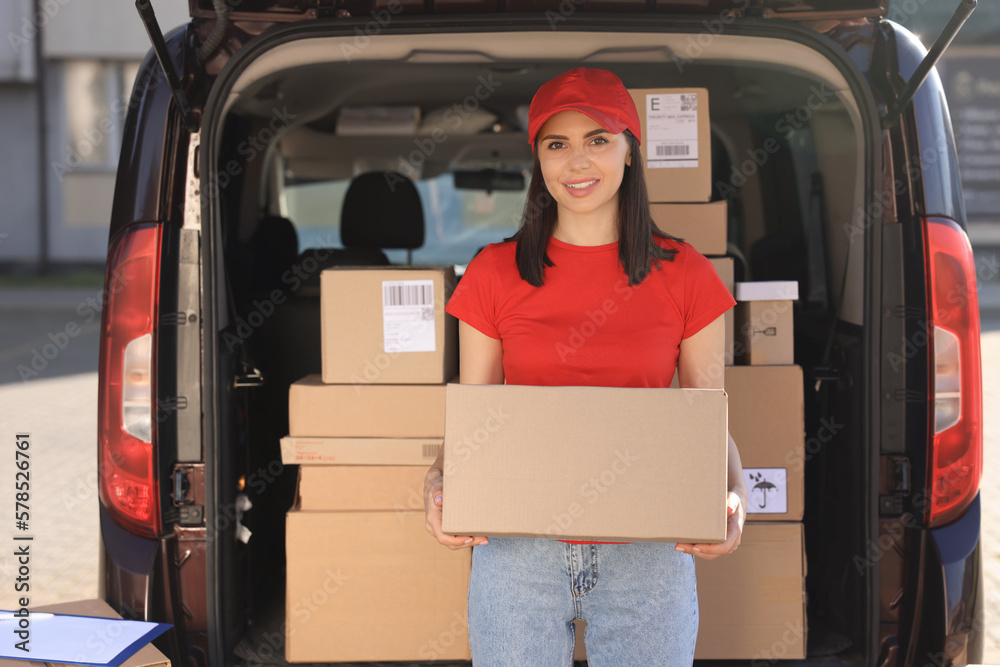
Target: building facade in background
66	73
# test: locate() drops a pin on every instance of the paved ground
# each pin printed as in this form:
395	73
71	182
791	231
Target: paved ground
58	408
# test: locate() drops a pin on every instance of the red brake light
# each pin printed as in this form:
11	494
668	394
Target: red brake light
955	462
126	433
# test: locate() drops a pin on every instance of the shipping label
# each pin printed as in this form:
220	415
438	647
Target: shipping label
671	131
408	316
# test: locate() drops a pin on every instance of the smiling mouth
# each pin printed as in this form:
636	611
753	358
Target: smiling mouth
580	186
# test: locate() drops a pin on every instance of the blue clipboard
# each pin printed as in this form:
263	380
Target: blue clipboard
74	640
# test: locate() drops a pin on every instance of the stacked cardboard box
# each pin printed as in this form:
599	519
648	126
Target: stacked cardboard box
751	601
676	153
365	581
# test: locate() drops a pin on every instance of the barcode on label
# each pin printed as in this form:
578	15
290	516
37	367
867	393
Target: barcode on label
682	149
431	451
405	293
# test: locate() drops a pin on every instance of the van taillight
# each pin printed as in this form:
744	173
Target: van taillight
955	462
126	432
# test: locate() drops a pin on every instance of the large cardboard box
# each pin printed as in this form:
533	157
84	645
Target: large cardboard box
704	226
588	463
317	409
676	143
387	325
764	322
361	488
767	423
724	267
360	451
147	656
373	586
751	604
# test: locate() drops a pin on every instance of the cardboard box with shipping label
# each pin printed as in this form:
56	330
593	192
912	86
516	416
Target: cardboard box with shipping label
361	488
360	451
676	143
767	422
701	225
587	463
373	586
764	322
387	325
317	409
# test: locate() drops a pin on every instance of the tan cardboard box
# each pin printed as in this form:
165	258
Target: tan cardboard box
373	586
361	488
676	143
764	322
702	225
360	451
751	604
147	656
767	421
588	463
724	267
388	325
317	409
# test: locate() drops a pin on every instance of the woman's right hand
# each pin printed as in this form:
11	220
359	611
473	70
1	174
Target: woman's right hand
433	500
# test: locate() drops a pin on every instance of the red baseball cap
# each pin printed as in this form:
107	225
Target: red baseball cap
597	93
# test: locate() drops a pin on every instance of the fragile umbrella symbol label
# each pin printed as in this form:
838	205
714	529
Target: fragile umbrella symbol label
767	489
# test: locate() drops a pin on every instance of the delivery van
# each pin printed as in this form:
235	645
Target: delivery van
247	164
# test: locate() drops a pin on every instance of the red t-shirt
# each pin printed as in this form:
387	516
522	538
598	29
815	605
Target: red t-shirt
585	326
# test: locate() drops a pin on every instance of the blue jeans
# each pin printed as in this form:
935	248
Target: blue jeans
640	602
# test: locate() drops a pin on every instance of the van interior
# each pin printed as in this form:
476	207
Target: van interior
299	193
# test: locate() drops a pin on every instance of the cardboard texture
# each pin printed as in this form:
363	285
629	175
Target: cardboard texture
316	409
373	586
767	423
676	143
751	604
361	488
147	656
606	463
360	451
724	267
387	325
701	225
764	322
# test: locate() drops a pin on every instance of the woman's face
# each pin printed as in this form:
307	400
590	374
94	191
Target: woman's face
582	163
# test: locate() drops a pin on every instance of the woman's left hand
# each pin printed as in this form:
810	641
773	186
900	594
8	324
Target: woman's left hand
735	514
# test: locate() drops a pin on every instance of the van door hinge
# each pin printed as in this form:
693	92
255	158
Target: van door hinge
188	494
897	483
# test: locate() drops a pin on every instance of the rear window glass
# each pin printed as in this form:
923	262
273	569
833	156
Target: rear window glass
457	223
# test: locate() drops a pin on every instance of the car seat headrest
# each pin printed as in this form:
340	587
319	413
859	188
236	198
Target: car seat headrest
382	210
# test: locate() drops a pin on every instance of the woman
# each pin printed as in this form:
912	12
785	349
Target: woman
587	237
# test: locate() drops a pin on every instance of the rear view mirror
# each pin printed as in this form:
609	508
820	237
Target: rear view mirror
489	180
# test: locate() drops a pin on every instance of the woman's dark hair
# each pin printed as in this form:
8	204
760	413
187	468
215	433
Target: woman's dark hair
637	251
